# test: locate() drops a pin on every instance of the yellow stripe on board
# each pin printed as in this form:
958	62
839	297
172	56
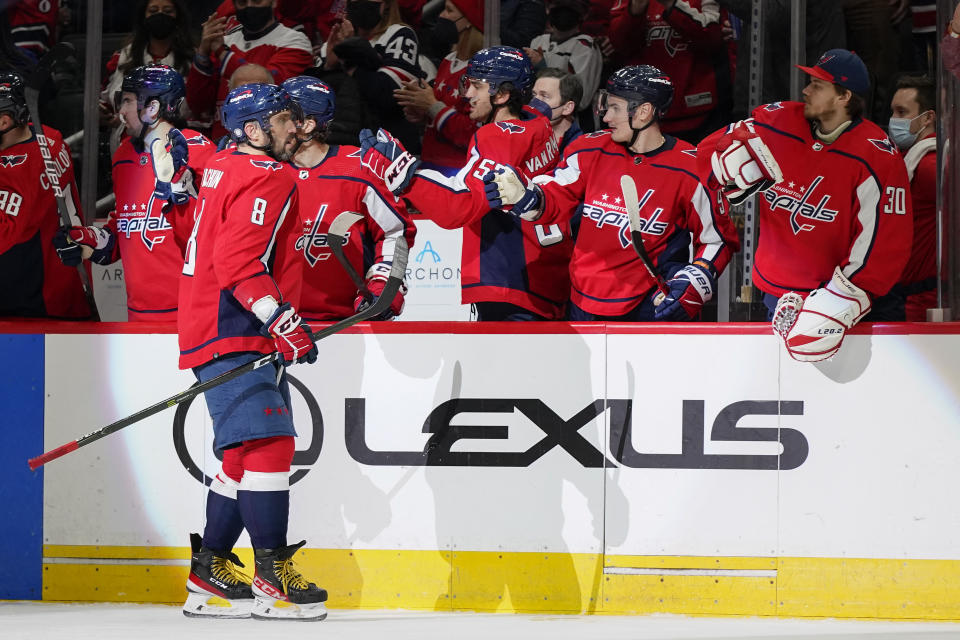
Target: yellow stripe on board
546	582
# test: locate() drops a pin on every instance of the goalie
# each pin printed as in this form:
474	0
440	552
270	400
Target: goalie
834	208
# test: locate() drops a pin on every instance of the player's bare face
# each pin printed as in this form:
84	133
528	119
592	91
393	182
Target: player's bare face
284	130
617	118
128	114
820	100
478	93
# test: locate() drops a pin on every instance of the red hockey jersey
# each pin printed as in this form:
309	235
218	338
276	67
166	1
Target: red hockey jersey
150	247
843	204
33	281
247	220
448	134
339	183
33	24
283	51
503	261
607	277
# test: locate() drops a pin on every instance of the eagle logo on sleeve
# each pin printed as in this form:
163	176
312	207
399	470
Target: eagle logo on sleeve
267	164
12	161
884	145
510	127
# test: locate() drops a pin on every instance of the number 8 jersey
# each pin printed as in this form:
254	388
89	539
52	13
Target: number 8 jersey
843	204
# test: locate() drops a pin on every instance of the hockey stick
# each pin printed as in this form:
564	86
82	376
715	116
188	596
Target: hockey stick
394	281
336	238
31	91
632	203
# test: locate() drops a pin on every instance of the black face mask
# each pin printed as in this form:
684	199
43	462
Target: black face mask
441	37
254	19
160	25
364	14
564	19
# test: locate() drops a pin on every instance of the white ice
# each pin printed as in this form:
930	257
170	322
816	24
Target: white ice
50	621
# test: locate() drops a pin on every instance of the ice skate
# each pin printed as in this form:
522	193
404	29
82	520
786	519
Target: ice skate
215	587
281	592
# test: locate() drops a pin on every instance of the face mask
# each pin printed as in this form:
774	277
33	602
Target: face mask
444	34
160	25
564	19
254	19
900	132
364	14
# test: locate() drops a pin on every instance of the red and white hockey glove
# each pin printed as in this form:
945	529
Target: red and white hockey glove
816	331
376	280
743	164
93	243
386	158
170	155
290	334
690	289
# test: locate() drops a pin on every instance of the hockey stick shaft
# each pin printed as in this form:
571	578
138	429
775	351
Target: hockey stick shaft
50	168
632	204
336	239
394	281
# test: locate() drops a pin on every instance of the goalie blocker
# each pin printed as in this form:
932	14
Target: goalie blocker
742	164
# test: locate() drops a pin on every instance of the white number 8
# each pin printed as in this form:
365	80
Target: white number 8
259	207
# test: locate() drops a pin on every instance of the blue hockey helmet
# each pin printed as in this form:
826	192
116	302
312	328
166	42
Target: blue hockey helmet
155	82
13	100
499	65
254	102
314	97
638	85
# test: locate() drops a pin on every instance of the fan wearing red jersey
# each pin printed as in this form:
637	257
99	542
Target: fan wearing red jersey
330	180
510	271
33	24
154	203
608	280
835	214
33	282
240	284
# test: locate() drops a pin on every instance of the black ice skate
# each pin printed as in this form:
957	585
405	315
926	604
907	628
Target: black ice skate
280	591
215	587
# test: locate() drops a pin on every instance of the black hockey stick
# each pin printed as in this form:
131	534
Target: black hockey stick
31	90
394	281
336	239
632	203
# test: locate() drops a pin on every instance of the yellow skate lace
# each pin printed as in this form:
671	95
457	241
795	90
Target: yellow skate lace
289	576
225	570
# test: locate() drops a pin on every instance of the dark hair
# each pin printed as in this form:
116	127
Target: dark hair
856	104
926	91
571	89
181	40
517	99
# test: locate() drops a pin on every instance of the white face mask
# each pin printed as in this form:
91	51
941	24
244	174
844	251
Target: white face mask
899	130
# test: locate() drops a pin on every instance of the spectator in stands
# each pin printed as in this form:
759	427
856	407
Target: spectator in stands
561	91
160	35
444	107
250	74
685	41
260	39
396	45
871	33
913	128
950	46
12	58
564	47
521	21
34	25
351	113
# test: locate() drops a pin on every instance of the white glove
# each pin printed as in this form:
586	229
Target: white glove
743	164
823	320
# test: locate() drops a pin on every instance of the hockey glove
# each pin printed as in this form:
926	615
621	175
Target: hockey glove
823	320
170	168
504	188
690	289
75	243
386	158
743	164
376	280
291	336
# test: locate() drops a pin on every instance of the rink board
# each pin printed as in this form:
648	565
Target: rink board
564	468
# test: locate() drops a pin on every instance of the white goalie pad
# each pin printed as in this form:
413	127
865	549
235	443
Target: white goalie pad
824	319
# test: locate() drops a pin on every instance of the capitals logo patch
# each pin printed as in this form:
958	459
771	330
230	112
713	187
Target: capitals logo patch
510	127
884	145
267	164
12	161
198	140
773	106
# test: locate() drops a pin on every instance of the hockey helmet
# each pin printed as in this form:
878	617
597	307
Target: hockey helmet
314	97
255	102
155	82
637	85
499	65
12	97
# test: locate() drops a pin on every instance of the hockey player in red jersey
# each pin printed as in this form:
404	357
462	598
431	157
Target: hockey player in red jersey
609	282
147	230
241	280
835	218
331	180
33	282
510	271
